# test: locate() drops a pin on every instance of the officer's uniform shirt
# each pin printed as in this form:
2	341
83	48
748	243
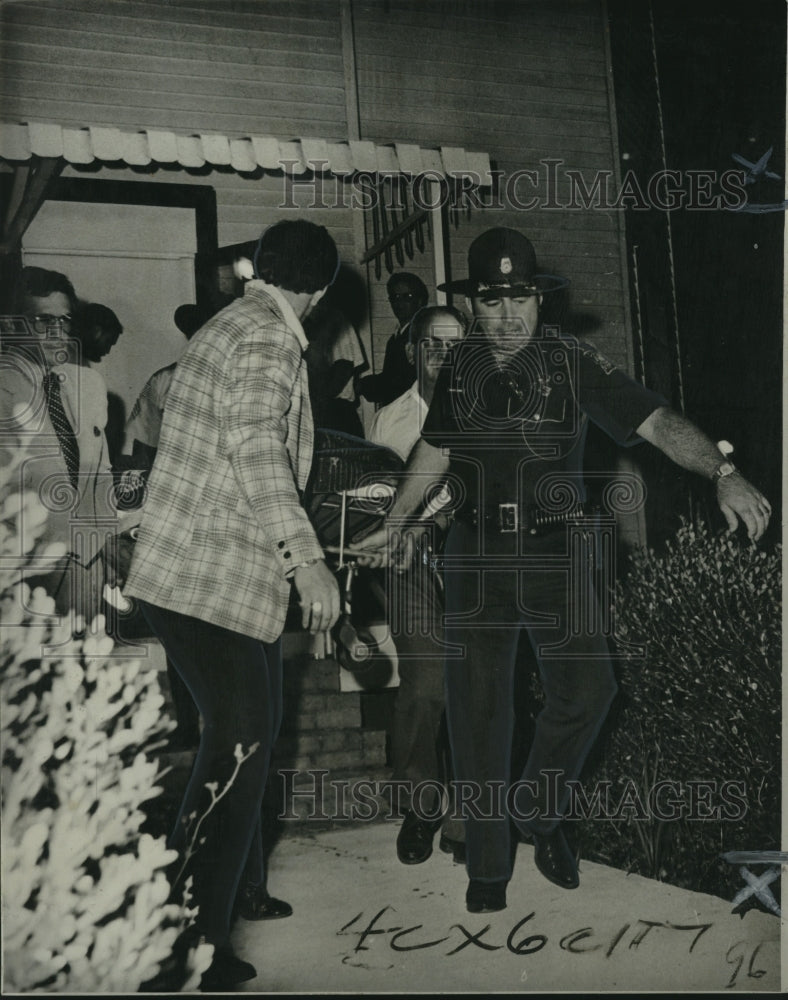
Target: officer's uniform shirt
510	425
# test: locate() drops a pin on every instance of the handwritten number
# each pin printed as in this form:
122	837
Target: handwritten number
730	961
526	946
752	973
755	973
349	923
371	929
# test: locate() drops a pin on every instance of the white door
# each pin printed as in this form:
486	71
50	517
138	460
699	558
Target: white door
136	259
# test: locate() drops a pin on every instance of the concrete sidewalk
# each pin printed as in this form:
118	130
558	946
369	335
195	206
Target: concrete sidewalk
364	923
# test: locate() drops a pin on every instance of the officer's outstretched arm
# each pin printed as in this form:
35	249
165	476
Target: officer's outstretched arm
690	448
425	468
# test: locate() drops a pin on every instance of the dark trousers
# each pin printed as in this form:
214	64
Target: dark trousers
500	589
415	619
419	740
236	682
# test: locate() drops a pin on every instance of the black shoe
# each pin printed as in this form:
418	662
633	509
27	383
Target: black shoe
485	897
454	847
174	971
555	860
414	840
254	903
225	971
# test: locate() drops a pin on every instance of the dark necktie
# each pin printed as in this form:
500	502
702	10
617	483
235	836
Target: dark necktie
63	429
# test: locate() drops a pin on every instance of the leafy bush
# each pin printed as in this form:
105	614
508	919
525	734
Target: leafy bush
86	903
703	704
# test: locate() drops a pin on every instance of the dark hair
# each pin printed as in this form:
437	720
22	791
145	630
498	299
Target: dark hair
423	319
37	282
189	317
297	256
94	314
415	283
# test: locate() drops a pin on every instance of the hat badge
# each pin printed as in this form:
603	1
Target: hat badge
506	265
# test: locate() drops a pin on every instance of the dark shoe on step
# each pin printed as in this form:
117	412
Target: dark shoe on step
254	903
225	972
454	847
414	840
485	897
555	860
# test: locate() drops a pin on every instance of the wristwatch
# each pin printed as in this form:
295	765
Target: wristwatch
723	470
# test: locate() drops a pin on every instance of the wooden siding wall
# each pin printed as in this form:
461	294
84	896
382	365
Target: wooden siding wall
523	80
272	68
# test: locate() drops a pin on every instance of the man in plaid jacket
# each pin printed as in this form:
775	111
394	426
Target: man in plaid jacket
222	539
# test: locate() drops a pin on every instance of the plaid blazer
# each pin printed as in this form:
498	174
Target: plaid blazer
222	526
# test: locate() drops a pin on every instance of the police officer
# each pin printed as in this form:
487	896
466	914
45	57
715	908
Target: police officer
507	425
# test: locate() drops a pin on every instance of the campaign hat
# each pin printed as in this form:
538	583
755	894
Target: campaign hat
502	262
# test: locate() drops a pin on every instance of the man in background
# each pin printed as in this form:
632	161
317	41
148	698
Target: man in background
56	412
419	743
407	294
97	329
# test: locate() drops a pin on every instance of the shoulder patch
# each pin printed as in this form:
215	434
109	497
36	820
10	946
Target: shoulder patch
589	351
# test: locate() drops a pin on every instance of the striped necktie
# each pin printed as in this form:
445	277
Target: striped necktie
63	429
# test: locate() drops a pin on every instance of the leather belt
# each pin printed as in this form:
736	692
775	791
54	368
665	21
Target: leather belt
508	518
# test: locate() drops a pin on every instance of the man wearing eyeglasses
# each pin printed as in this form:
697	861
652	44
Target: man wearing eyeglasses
54	412
419	748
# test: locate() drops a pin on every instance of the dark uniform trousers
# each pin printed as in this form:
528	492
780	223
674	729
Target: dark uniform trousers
496	586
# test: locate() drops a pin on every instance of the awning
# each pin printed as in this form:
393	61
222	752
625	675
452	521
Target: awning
21	141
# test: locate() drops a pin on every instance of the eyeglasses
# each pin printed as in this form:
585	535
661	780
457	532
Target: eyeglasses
447	343
46	322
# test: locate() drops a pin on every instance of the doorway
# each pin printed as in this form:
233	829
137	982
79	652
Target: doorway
136	248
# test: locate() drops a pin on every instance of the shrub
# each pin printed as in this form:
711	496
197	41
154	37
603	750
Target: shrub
703	704
86	903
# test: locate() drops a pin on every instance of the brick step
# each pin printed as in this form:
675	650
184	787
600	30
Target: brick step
315	702
321	711
306	674
331	748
